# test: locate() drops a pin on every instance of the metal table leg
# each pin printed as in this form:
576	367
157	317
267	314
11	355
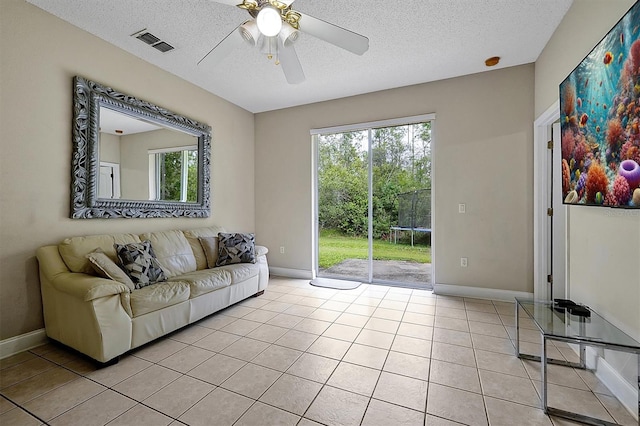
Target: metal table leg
582	348
563	413
543	369
517	330
545	361
583	360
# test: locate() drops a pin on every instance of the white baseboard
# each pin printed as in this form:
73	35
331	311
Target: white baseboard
479	292
291	273
14	345
618	386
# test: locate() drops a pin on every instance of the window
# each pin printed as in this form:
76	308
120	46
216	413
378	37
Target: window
173	174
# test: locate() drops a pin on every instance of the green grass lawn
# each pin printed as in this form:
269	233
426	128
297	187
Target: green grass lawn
334	248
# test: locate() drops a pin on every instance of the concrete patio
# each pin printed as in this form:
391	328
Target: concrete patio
384	270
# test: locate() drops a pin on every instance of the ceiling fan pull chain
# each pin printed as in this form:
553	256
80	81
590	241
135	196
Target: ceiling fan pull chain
270	47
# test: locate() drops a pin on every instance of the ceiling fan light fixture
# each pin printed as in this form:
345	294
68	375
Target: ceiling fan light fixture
293	18
248	5
249	32
288	35
269	21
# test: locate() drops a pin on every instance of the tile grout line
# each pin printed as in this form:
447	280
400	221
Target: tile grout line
282	374
20	407
383	365
116	391
319	307
333	371
325	384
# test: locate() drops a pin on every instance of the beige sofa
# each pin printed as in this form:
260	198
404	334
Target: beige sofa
103	318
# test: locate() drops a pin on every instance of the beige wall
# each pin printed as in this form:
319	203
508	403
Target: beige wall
40	56
584	25
109	148
603	244
483	157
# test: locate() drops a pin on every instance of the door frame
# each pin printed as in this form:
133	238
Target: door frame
368	126
542	133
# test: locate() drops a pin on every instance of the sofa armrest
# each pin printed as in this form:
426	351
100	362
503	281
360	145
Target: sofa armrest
261	260
87	287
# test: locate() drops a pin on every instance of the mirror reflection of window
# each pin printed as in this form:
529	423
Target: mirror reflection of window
173	174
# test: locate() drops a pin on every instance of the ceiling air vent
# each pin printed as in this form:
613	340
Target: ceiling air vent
153	41
163	46
148	38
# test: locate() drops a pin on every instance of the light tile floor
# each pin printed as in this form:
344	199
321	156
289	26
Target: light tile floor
302	355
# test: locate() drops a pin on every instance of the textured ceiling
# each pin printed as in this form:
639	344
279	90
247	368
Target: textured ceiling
411	42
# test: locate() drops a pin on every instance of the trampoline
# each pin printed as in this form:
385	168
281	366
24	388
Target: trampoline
414	213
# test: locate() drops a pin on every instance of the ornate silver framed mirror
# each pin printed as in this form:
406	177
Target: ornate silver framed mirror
133	159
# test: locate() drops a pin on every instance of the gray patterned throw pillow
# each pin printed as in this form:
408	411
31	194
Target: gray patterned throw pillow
139	262
236	248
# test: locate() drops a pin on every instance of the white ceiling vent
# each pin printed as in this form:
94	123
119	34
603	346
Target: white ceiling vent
152	41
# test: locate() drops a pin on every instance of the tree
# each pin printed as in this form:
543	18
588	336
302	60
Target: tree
170	172
401	162
342	184
171	178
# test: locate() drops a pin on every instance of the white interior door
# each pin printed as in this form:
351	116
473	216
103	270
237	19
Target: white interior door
109	180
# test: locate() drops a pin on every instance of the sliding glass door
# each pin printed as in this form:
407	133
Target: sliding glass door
374	203
343	194
401	201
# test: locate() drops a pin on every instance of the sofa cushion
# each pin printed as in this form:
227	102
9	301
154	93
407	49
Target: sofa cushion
173	252
206	280
236	248
107	268
139	262
158	296
211	250
198	252
240	271
74	250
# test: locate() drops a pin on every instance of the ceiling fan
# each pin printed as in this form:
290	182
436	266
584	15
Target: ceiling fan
274	29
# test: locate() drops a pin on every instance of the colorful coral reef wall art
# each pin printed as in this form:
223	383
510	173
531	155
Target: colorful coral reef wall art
600	121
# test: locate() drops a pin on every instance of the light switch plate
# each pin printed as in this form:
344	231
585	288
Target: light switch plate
462	208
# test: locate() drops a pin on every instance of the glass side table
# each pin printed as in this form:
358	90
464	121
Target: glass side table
560	325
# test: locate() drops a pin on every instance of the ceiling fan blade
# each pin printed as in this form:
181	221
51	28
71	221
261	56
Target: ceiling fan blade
290	64
222	49
348	40
228	2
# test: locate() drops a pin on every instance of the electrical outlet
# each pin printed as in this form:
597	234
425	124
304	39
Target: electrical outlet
281	249
462	208
463	262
